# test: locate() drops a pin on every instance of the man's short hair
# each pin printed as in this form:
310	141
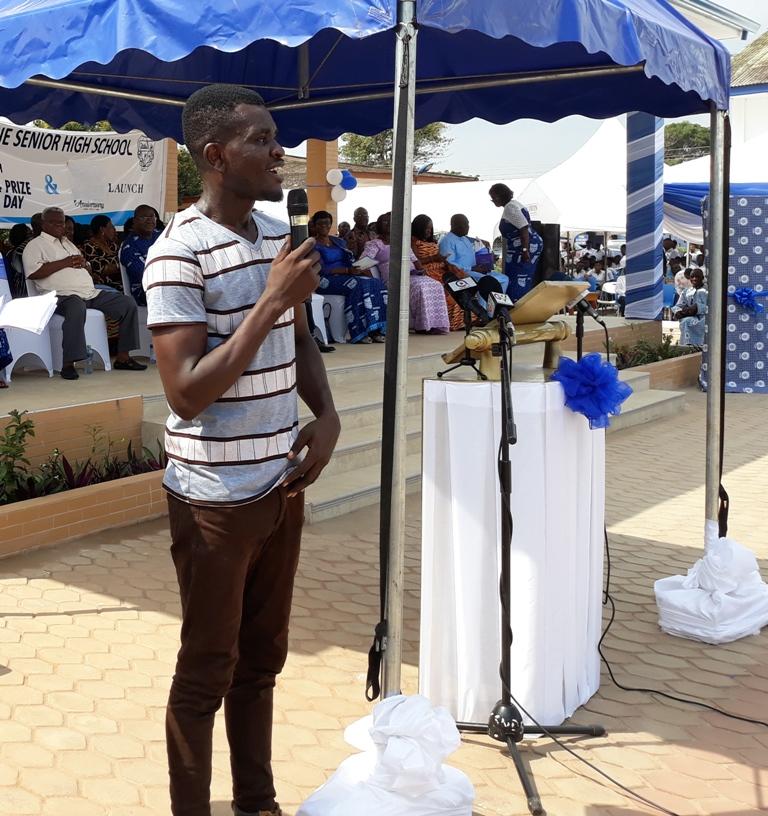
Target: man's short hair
144	207
209	115
51	211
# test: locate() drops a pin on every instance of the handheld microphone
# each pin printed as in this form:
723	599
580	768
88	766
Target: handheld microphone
499	305
298	217
463	291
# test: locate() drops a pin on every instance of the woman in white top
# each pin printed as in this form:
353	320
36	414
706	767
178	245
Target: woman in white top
523	245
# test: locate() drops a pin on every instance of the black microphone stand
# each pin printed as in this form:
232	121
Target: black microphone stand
579	333
467	359
505	723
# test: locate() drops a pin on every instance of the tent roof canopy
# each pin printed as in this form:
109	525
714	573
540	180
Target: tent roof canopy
331	70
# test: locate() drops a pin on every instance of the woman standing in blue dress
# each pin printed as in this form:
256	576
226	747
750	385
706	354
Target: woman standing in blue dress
365	296
522	244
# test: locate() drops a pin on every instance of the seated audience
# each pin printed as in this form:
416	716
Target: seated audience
691	311
366	297
621	293
54	263
425	249
133	252
100	250
682	280
358	236
459	251
428	309
585	272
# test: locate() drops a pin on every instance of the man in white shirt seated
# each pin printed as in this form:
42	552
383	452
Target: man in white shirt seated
54	263
682	281
621	293
459	250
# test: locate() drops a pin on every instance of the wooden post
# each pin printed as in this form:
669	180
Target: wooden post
321	157
171	177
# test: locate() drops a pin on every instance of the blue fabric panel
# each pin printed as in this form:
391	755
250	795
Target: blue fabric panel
746	338
171	47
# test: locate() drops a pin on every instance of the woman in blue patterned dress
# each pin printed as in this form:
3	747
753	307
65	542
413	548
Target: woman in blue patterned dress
522	244
691	311
365	296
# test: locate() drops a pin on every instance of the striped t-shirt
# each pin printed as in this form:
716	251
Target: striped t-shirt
200	272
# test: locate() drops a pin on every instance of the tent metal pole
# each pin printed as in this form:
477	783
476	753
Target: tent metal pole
393	431
715	317
453	86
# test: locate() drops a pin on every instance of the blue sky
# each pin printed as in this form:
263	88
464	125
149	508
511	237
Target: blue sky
527	148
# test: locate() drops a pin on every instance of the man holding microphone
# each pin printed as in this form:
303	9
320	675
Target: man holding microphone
225	295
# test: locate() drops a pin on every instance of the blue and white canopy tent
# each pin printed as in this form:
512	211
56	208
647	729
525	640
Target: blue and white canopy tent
325	69
684	205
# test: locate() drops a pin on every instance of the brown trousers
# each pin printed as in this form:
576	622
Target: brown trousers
235	567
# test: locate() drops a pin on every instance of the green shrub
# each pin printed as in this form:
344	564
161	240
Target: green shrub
644	352
19	481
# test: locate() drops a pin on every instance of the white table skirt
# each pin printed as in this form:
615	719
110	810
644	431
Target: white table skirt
558	505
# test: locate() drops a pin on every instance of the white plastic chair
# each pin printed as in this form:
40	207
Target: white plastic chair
318	315
24	343
607	297
95	334
146	349
333	309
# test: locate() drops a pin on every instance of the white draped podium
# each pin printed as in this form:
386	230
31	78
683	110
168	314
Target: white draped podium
558	504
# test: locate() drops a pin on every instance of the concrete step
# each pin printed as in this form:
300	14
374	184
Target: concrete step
423	365
333	496
352	479
359	405
361	447
639	380
646	406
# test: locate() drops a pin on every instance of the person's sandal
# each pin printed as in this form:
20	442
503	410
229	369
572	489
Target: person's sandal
131	365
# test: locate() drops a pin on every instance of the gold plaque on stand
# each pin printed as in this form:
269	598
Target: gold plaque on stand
531	316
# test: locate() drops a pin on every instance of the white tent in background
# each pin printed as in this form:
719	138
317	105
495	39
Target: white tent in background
588	191
439	202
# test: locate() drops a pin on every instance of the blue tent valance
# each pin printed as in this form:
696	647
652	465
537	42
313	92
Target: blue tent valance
544	54
690	197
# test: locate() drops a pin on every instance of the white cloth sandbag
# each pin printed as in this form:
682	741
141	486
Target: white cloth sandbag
721	599
400	769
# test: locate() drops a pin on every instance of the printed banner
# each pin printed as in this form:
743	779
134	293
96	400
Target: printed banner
83	173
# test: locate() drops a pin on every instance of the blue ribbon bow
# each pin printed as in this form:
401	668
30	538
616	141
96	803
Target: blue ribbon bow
748	299
592	388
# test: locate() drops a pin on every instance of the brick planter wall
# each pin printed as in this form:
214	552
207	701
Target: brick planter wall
69	429
674	374
34	523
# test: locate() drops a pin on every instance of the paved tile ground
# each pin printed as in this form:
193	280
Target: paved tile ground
88	633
